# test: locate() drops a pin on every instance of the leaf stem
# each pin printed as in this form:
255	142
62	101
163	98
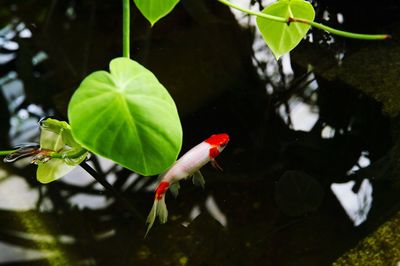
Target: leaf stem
110	188
311	23
126	28
62	155
360	36
68	155
258	14
5	153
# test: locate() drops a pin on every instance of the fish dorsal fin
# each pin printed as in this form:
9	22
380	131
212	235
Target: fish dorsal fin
198	179
174	189
160	177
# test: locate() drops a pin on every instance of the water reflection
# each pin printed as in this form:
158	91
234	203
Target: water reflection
23	117
15	254
356	204
362	162
213	210
16	194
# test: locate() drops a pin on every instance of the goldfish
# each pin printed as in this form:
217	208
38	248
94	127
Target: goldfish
187	166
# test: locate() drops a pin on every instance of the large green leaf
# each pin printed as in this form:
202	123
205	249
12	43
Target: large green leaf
127	116
153	10
281	37
55	136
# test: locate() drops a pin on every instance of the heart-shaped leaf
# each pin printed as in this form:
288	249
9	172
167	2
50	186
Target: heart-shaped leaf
56	136
153	10
127	116
281	37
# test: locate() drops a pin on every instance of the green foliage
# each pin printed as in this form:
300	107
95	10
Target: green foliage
127	116
153	10
281	37
55	136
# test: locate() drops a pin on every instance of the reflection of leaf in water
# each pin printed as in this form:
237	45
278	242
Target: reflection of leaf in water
298	193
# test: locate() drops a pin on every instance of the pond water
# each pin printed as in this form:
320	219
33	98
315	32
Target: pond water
311	169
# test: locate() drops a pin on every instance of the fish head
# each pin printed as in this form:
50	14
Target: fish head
218	140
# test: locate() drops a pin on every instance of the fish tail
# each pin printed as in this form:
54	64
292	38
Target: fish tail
162	211
151	217
159	209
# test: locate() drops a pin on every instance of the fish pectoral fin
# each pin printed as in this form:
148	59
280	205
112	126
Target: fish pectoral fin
198	179
174	189
216	165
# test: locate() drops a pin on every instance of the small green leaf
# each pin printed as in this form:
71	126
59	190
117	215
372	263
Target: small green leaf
56	136
52	170
281	37
127	116
154	10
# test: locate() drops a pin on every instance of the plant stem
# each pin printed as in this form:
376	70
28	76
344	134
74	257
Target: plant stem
360	36
258	14
62	155
110	188
311	23
68	155
5	153
126	28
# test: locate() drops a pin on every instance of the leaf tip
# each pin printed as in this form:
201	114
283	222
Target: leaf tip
44	179
277	56
152	23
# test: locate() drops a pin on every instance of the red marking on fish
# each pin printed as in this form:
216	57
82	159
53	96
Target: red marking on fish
214	152
218	139
161	189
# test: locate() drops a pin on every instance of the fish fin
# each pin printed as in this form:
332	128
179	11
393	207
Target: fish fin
174	189
151	217
198	179
159	209
162	211
160	177
216	165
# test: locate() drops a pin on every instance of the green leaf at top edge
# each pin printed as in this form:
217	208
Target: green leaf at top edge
153	10
280	37
126	115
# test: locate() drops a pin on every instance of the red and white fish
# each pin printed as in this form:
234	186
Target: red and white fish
188	165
